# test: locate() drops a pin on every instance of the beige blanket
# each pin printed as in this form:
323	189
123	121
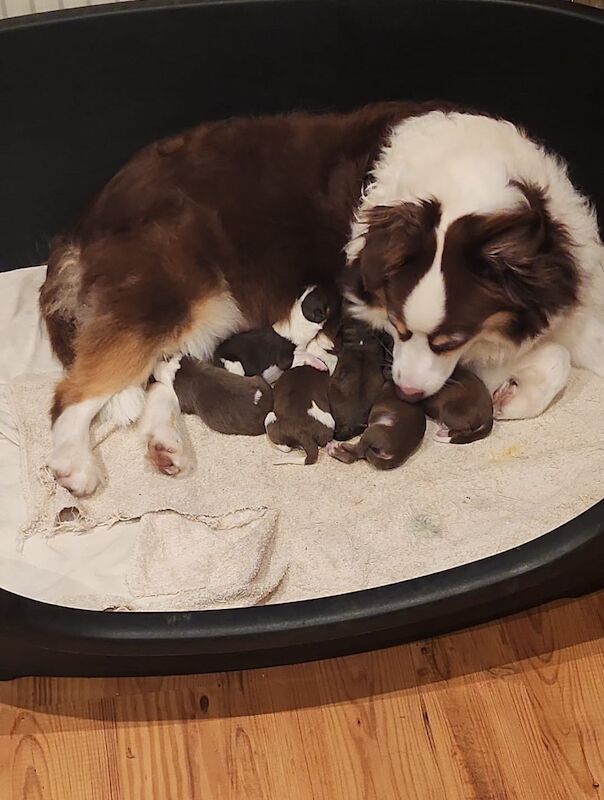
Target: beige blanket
339	528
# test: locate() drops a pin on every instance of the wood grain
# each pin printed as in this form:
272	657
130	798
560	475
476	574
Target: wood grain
506	711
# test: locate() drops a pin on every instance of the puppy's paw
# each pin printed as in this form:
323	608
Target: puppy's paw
342	451
303	358
443	435
76	471
448	436
331	448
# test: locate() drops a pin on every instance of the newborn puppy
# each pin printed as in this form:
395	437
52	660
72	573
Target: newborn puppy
300	417
463	407
227	403
270	351
394	432
259	352
357	379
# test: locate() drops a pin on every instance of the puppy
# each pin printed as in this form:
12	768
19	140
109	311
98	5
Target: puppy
394	432
227	403
269	351
463	407
259	352
357	379
301	416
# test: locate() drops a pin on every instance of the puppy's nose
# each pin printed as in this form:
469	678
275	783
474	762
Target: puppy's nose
410	394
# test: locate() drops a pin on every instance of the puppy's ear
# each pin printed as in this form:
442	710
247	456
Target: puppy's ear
393	234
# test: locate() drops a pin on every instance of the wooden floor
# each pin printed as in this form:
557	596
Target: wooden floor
506	710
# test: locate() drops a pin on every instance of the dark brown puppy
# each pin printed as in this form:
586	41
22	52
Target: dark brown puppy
357	379
463	407
301	416
394	432
227	403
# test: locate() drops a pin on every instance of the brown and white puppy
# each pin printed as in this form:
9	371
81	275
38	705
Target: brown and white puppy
227	403
266	352
301	417
395	430
357	379
467	240
463	407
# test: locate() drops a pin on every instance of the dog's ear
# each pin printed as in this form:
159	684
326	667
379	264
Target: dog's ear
513	240
376	259
527	255
393	234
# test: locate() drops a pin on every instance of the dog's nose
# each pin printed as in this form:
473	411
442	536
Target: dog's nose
410	394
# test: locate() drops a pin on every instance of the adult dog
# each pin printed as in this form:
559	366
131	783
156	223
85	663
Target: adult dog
462	237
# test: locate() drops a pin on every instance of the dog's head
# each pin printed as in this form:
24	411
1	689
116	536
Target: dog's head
441	287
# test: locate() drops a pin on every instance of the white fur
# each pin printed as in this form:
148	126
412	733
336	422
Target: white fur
375	316
125	407
296	327
302	358
416	368
424	309
162	419
257	397
385	419
272	374
468	163
236	367
270	418
537	379
329	359
324	417
72	460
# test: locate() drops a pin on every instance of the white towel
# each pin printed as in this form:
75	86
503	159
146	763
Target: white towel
181	564
132	487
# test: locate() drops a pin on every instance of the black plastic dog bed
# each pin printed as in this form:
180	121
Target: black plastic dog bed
80	91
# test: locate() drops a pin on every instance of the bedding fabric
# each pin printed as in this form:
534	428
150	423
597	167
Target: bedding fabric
333	528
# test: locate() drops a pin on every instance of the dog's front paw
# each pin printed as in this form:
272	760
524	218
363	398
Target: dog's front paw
537	380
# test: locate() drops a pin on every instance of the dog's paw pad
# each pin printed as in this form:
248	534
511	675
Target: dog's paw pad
503	396
168	455
443	435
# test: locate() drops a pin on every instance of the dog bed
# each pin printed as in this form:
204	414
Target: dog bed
456	535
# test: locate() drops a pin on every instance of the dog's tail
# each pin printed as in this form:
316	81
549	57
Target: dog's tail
60	297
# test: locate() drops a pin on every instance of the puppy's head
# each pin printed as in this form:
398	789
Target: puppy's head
316	304
441	287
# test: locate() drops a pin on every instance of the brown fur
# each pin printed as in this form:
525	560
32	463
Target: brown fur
257	207
464	406
357	379
293	395
225	402
513	266
387	446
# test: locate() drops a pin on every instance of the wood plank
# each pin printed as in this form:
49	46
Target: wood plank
513	710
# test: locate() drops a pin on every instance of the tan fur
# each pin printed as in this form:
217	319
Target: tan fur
102	368
109	359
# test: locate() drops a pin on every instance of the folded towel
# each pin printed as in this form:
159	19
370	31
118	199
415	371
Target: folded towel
132	487
181	564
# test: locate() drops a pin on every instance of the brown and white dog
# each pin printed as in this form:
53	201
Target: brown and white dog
468	242
471	244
